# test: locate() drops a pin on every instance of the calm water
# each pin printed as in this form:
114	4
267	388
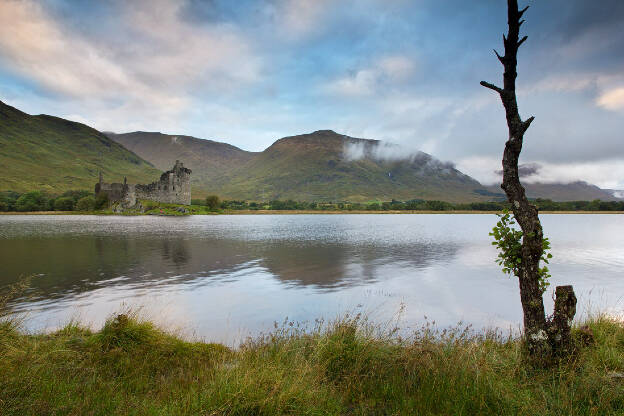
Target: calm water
225	277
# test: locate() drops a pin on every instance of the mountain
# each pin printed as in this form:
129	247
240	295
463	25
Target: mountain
316	166
574	191
210	161
49	153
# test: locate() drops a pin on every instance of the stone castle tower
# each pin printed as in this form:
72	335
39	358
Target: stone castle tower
173	187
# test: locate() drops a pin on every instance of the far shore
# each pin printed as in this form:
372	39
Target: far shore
299	212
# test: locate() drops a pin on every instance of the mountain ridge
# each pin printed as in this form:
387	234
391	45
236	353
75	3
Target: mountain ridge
44	152
314	166
250	180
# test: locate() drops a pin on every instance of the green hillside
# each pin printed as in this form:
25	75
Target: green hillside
52	154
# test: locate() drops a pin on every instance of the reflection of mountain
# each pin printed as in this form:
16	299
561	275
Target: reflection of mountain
67	265
71	265
330	265
61	265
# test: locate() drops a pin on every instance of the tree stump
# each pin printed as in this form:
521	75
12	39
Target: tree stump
559	327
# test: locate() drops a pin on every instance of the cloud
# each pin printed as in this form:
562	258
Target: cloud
612	100
154	76
607	173
383	151
35	46
361	83
386	72
525	170
397	68
561	82
301	17
390	152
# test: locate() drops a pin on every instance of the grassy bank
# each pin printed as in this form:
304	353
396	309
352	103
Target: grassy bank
131	367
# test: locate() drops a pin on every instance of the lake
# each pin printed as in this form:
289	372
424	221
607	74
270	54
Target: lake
225	277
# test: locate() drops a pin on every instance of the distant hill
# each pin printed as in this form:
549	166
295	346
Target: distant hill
575	191
49	153
210	161
315	166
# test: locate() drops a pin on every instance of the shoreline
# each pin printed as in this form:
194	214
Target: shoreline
303	212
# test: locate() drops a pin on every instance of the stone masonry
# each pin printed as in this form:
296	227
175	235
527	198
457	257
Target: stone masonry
173	187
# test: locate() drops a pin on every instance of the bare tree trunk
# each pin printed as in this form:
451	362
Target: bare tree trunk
541	335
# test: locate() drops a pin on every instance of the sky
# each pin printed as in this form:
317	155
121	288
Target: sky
249	72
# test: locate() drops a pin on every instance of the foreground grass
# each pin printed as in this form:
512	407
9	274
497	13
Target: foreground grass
131	367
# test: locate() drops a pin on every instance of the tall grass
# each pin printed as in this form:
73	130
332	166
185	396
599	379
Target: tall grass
345	367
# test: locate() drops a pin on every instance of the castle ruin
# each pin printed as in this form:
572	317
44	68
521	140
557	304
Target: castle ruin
173	187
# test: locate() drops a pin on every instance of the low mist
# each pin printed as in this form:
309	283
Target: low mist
390	152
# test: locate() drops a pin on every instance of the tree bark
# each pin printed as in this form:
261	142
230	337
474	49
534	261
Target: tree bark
539	339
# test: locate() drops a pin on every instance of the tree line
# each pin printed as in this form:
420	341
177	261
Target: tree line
74	200
81	200
214	203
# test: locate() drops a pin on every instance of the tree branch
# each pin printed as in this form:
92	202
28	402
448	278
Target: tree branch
522	41
500	58
527	123
492	87
521	12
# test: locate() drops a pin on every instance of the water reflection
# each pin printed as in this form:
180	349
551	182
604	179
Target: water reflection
70	265
249	271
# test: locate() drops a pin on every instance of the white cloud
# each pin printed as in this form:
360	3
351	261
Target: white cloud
607	174
561	82
153	75
384	73
301	17
481	168
361	83
34	45
612	99
379	151
610	93
397	67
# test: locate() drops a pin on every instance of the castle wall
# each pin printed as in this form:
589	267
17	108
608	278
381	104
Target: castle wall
117	192
173	187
